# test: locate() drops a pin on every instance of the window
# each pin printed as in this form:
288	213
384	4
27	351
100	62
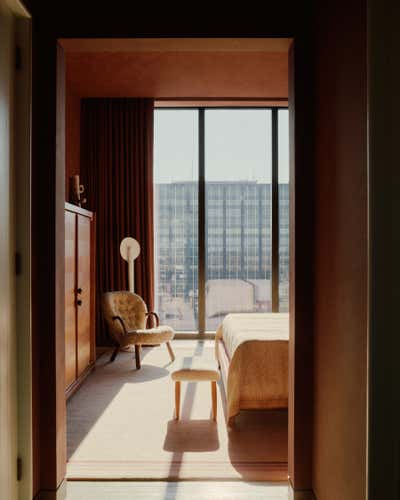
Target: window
176	217
238	176
283	182
214	204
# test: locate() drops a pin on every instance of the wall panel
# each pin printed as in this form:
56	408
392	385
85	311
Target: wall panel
341	253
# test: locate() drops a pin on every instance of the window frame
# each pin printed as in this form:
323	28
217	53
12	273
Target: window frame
202	333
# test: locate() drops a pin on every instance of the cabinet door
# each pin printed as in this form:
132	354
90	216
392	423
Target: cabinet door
70	308
83	295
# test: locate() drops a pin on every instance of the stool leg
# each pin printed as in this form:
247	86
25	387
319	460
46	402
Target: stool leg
214	400
170	352
177	399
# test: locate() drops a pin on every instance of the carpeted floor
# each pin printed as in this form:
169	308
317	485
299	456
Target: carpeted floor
121	426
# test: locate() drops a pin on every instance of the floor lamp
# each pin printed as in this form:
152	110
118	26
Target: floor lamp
130	250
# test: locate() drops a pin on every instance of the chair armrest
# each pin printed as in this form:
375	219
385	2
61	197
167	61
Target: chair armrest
155	317
118	318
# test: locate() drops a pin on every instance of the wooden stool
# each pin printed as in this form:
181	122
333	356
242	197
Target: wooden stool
195	369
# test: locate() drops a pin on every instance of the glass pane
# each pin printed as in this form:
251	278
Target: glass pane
283	179
238	212
176	217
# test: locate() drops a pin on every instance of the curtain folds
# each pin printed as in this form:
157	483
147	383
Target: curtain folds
117	172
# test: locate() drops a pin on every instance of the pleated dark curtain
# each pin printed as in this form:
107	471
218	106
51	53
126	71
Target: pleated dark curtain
117	171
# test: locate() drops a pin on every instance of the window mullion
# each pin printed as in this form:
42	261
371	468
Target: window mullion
275	215
202	227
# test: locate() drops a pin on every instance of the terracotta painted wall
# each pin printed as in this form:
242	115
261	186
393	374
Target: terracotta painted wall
72	136
340	351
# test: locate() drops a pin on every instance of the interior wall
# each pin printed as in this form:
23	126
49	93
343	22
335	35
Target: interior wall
341	258
384	346
72	136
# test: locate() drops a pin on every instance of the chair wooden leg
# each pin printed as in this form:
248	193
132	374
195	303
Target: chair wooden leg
114	354
171	352
177	399
214	400
137	356
231	422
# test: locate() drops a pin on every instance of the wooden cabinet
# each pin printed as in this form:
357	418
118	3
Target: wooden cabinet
79	296
70	298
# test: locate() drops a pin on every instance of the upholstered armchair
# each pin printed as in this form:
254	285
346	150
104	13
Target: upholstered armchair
126	316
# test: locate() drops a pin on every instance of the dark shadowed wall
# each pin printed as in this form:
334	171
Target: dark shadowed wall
384	346
340	247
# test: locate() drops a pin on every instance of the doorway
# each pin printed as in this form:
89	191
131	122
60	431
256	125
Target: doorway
64	69
249	248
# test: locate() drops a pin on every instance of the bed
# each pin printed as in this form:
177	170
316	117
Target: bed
252	351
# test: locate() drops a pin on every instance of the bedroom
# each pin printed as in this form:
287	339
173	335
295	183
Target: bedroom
332	399
217	216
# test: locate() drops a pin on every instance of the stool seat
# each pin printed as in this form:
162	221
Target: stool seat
195	368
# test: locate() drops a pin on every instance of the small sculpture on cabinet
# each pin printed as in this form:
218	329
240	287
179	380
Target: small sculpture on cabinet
75	191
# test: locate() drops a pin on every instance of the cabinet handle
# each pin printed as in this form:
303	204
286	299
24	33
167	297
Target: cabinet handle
79	290
79	302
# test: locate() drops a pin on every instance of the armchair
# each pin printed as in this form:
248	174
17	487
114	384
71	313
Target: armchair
126	316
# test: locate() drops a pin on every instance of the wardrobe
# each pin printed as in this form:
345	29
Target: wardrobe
80	348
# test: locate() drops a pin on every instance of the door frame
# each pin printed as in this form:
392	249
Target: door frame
16	344
49	383
23	131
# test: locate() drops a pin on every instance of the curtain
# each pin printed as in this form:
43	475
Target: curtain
117	172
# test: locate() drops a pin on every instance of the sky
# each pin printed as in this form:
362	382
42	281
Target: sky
237	145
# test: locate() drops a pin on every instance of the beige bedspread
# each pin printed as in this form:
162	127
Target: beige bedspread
256	346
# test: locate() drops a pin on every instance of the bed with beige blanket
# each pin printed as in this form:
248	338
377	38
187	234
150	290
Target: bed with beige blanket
252	350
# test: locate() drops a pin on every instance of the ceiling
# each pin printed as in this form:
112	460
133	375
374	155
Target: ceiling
178	68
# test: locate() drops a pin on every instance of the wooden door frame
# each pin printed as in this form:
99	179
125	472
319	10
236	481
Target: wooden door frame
301	289
23	131
52	426
17	39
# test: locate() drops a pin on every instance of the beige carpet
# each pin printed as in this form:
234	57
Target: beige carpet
121	426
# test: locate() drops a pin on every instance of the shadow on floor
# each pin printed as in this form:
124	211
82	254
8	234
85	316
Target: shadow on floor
258	437
191	435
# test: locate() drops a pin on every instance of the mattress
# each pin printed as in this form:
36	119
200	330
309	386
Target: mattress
253	327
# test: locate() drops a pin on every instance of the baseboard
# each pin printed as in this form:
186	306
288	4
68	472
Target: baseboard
59	494
301	494
79	381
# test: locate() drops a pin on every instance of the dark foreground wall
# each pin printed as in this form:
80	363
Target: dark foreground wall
341	245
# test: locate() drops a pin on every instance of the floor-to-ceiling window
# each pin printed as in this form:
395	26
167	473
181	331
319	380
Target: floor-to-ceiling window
238	212
284	197
176	175
214	172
